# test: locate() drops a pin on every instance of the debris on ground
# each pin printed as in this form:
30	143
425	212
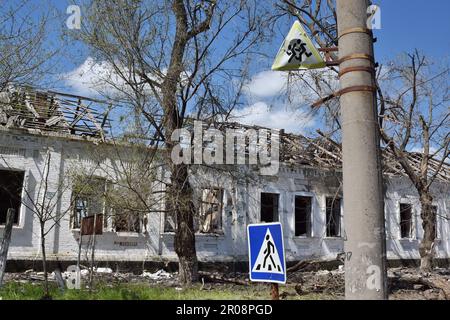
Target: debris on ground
103	270
404	283
158	275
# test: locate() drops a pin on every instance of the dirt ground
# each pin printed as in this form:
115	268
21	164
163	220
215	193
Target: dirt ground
403	283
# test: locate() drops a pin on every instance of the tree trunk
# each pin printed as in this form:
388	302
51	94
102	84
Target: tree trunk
44	261
180	191
428	216
94	239
181	198
5	242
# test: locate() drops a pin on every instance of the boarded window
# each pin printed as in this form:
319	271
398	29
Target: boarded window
88	224
303	216
333	217
405	220
269	207
11	184
211	205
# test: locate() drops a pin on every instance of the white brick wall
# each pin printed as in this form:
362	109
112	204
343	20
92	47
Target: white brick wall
241	206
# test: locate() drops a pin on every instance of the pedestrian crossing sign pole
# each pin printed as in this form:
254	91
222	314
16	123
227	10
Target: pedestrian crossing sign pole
266	253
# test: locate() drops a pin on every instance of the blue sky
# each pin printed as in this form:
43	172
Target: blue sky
410	24
405	25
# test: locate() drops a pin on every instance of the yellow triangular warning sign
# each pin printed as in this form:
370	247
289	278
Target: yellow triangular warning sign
297	52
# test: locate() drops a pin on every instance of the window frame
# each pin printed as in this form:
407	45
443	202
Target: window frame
87	196
165	217
23	197
311	214
199	209
278	218
412	224
341	215
111	223
108	222
437	232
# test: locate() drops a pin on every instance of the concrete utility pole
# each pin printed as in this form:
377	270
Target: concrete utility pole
365	269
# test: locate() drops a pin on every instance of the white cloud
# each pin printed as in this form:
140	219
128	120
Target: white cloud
293	121
88	79
92	78
290	93
302	87
266	84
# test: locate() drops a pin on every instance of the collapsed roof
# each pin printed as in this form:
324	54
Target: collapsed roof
28	108
323	152
326	153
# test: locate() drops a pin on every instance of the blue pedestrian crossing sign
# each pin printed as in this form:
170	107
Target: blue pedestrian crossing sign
266	252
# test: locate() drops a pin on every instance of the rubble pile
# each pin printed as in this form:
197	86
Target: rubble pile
322	281
403	283
105	275
409	283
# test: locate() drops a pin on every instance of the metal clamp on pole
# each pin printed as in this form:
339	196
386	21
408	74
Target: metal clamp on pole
357	88
319	102
356	30
353	69
357	56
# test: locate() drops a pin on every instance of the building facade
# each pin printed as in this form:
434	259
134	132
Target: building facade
39	170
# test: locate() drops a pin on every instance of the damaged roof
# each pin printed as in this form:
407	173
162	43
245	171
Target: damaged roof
28	108
323	152
327	153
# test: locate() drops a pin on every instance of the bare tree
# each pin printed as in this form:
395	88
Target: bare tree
316	87
25	53
414	124
413	109
43	201
171	60
130	177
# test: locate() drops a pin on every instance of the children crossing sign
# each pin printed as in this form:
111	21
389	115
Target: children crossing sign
266	252
297	52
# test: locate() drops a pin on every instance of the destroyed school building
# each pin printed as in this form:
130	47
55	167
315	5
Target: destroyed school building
48	139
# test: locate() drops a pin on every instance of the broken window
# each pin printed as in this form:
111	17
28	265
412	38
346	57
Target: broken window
126	211
211	204
80	211
434	211
269	207
406	220
303	216
11	184
126	220
170	221
333	217
89	199
117	204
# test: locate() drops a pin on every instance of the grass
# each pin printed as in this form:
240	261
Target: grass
142	291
